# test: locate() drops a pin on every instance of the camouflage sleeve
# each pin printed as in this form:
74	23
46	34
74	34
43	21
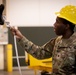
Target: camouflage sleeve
39	52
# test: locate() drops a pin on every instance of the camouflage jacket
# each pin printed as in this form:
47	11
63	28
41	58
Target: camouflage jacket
62	51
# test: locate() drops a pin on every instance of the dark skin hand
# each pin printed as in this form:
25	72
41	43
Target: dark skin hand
16	32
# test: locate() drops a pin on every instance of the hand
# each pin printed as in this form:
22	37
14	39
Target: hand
16	32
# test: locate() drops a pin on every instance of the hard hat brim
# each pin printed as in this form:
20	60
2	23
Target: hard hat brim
62	16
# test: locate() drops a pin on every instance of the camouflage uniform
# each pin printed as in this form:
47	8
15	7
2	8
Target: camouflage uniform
63	52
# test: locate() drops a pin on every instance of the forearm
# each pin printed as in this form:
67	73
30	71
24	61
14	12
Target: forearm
40	52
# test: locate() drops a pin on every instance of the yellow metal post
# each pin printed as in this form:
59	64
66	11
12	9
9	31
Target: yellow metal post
35	72
9	58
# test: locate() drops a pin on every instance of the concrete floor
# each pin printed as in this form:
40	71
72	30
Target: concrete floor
16	72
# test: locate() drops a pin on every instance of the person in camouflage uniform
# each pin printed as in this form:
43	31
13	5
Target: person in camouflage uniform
62	49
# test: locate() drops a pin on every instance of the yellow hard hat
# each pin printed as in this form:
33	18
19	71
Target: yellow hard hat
68	12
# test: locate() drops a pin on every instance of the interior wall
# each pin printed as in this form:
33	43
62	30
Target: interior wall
34	12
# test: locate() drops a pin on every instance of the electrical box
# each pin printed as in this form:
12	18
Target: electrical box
3	35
